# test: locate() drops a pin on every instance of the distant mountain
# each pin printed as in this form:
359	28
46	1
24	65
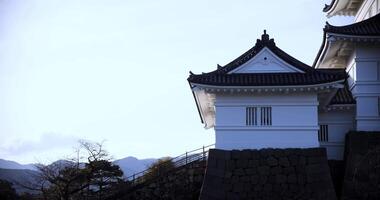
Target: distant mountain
8	164
131	165
19	177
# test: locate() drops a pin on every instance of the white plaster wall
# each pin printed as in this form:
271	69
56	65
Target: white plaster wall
366	86
339	122
294	121
368	9
250	139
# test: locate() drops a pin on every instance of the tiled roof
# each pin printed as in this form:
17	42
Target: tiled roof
311	76
268	79
328	7
343	96
368	27
260	44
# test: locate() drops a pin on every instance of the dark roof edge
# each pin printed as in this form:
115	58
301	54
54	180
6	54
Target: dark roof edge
319	54
260	44
196	102
328	7
355	29
367	27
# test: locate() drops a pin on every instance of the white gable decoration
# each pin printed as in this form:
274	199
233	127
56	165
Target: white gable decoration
265	62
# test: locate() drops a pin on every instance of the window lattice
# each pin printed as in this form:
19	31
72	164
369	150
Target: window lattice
323	133
266	116
251	116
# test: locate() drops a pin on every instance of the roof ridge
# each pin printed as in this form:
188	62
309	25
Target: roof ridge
268	42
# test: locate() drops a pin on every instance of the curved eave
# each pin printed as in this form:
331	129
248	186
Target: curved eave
332	43
275	88
342	7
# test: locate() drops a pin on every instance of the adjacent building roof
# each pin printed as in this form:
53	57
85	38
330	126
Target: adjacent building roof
369	27
342	7
309	76
343	96
329	6
364	31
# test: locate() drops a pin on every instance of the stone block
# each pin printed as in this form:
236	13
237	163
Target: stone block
284	162
272	161
246	154
292	178
263	170
241	163
235	154
250	171
254	163
216	172
316	159
217	154
288	170
276	170
281	179
239	172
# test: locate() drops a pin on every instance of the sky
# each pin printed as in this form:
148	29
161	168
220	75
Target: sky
116	70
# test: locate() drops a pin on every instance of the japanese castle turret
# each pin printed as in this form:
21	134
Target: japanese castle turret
265	98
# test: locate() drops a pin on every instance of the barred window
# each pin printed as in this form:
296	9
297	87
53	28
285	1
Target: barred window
251	116
255	118
266	116
323	133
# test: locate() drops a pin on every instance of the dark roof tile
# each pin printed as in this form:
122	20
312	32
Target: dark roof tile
343	96
368	27
309	76
269	79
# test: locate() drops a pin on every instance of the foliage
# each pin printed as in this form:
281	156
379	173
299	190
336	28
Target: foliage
161	166
7	192
90	175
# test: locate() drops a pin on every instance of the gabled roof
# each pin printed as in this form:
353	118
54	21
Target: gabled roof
260	44
367	30
308	76
343	96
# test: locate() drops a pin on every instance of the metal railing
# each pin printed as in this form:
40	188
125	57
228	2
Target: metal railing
168	165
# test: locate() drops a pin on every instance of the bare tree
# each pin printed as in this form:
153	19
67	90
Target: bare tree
89	175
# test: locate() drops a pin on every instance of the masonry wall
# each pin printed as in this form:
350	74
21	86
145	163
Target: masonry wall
183	183
268	174
362	172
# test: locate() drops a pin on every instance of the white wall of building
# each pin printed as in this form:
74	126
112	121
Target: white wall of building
364	82
368	9
339	123
294	121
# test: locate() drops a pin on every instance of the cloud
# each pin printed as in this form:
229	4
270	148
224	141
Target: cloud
46	142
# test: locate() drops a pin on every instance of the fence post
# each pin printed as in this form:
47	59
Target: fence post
204	153
133	178
186	158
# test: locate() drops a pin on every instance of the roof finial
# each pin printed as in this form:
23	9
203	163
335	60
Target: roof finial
265	36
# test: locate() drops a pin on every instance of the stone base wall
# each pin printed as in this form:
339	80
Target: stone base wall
362	172
268	174
181	183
